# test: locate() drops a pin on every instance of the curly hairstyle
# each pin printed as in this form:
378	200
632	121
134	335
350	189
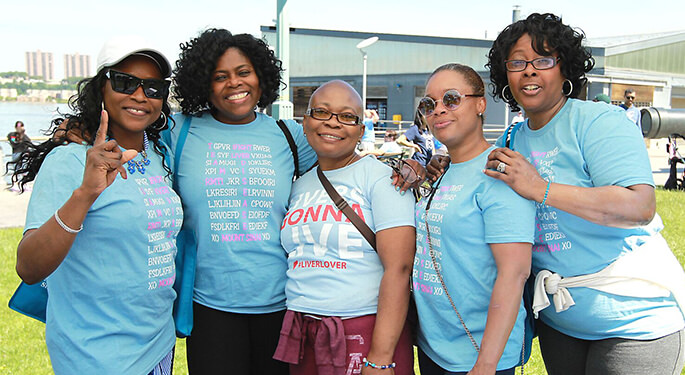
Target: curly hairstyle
85	121
548	35
198	59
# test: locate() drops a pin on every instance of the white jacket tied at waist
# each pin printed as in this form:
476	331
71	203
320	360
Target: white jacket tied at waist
649	271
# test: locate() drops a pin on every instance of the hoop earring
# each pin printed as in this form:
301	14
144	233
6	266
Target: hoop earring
506	99
569	91
163	123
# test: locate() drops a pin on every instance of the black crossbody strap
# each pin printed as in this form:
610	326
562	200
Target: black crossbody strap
342	205
293	147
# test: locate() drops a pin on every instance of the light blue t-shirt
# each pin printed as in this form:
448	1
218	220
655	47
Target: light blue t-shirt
110	300
332	269
369	135
591	144
469	211
234	181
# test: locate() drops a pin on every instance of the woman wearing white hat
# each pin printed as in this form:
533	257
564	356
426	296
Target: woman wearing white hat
102	220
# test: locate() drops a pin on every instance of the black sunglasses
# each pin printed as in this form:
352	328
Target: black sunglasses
451	99
128	84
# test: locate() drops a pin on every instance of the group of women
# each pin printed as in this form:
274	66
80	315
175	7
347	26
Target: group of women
284	270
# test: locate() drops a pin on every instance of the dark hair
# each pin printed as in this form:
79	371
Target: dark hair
470	75
629	91
198	59
18	122
548	35
85	119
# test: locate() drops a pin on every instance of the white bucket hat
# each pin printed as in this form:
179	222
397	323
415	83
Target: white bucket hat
118	48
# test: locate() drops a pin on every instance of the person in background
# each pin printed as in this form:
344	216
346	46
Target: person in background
418	137
518	118
389	146
602	98
234	178
19	142
91	232
472	259
438	147
632	111
368	142
347	301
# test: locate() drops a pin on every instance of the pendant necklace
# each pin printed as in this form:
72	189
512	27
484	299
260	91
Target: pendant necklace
140	165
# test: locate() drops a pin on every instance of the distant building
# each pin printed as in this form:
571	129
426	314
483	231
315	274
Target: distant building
40	64
8	93
399	65
76	65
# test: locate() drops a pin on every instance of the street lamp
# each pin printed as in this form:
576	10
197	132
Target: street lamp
363	44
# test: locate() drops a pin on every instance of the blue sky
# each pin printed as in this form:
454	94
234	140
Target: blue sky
71	26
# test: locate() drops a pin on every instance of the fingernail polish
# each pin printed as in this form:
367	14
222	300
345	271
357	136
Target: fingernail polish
397	188
402	192
84	143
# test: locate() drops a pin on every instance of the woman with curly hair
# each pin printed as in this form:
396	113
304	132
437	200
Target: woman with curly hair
234	177
617	288
106	255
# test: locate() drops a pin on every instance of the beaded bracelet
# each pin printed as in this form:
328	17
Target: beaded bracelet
380	367
66	227
546	192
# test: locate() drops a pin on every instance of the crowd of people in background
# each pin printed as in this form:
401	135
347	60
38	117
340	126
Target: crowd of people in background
291	251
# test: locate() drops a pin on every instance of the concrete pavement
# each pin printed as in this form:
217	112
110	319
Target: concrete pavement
13	205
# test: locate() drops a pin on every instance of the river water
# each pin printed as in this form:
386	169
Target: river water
35	116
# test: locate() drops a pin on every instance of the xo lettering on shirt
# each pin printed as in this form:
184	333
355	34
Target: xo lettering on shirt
165	217
548	236
240	182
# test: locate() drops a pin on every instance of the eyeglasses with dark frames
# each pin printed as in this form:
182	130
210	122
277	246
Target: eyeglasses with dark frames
541	63
404	170
125	83
451	99
345	118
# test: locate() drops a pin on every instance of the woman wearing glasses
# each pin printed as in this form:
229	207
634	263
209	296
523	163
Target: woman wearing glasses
472	257
597	241
234	177
104	243
347	299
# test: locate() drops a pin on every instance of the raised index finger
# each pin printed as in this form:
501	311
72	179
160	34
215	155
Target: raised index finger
101	135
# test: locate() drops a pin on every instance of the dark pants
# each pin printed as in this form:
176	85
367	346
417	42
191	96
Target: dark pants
230	343
428	367
568	355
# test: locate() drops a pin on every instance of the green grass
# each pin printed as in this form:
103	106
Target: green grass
22	339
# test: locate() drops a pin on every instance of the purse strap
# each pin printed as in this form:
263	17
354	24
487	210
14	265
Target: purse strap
342	205
437	268
293	147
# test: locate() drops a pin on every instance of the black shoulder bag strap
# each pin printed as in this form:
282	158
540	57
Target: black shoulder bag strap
293	147
342	205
